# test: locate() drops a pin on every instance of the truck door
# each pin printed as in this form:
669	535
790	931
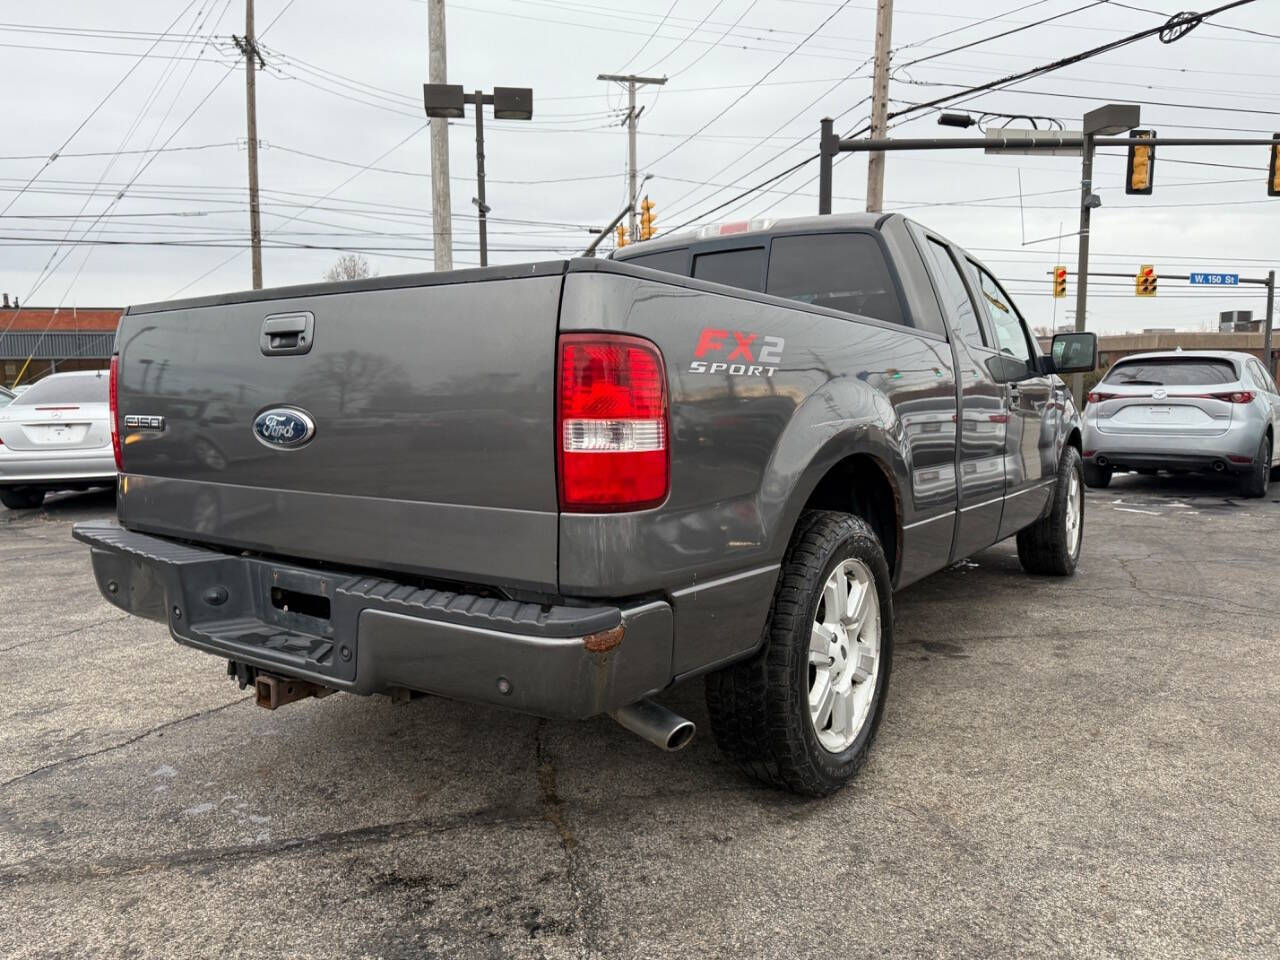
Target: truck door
980	461
1030	449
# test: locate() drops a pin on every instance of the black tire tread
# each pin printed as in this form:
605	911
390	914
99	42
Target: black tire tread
755	717
1254	484
22	498
1042	547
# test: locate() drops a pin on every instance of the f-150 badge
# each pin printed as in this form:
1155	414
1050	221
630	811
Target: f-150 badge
737	354
286	427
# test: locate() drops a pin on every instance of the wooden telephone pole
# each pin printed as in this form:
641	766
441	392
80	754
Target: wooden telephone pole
252	60
879	105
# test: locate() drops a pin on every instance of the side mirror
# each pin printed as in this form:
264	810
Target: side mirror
1074	353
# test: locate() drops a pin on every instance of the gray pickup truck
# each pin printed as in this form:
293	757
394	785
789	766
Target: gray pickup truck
563	487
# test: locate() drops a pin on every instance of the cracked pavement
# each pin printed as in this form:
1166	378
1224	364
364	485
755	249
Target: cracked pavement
1085	767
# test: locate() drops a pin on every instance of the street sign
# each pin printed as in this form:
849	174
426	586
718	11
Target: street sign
1045	143
1216	279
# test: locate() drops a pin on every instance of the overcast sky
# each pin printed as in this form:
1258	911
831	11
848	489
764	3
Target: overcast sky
346	159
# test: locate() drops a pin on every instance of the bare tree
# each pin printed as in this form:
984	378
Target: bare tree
350	266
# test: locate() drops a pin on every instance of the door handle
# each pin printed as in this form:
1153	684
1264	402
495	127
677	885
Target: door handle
288	334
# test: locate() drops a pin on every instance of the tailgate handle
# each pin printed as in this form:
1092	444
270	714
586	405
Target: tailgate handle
288	334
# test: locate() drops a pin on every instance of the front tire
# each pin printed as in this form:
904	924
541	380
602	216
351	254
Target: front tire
802	713
1051	545
1254	483
22	498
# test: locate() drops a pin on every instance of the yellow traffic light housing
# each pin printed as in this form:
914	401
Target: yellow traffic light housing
1145	283
647	219
1139	176
1059	282
622	236
1273	175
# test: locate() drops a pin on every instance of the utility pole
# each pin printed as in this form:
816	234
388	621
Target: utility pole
441	222
252	60
879	105
632	82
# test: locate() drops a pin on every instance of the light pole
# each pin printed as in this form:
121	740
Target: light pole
448	100
1103	122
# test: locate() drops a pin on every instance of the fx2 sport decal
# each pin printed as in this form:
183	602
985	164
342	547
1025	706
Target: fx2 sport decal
737	353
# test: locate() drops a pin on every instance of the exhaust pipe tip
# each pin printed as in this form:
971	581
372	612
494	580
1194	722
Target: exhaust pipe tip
651	721
1219	466
1102	461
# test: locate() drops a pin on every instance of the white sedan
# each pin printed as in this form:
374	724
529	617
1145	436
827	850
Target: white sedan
56	436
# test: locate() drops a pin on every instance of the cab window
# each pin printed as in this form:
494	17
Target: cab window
1011	335
841	271
742	268
955	296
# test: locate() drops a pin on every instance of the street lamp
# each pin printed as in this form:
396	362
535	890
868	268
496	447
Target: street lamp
448	100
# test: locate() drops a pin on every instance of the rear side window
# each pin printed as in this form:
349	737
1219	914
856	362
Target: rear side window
1173	372
842	271
738	268
670	261
65	390
954	294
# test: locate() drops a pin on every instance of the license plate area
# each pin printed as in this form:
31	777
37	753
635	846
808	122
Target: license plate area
54	434
297	600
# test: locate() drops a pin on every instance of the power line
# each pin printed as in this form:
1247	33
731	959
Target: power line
768	73
94	112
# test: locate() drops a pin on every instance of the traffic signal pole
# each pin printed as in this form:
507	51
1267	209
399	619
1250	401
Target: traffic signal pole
1082	255
1267	359
1099	125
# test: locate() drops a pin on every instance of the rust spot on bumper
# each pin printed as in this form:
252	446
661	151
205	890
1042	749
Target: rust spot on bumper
604	640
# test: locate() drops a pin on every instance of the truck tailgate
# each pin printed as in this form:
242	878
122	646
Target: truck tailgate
432	399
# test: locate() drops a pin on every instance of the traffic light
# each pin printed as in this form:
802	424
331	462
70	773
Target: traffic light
1145	284
1142	163
646	219
1059	282
1273	175
622	236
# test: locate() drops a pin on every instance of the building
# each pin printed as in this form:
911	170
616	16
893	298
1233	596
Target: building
35	341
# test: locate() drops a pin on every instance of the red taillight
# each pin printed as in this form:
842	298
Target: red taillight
113	406
1096	397
1237	396
612	418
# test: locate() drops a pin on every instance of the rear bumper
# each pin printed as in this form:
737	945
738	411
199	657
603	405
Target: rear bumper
366	635
47	468
1135	450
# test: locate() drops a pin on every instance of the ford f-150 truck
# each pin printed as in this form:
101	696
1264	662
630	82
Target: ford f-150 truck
563	487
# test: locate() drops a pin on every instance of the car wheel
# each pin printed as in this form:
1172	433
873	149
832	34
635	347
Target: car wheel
802	713
1051	545
22	498
1255	482
1096	476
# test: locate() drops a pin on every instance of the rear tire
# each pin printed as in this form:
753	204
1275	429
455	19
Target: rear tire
22	498
762	712
1096	477
1254	483
1051	545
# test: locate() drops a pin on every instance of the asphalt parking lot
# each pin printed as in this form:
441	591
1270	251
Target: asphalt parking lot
1087	768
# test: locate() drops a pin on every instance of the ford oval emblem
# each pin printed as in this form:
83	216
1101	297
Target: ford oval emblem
284	427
